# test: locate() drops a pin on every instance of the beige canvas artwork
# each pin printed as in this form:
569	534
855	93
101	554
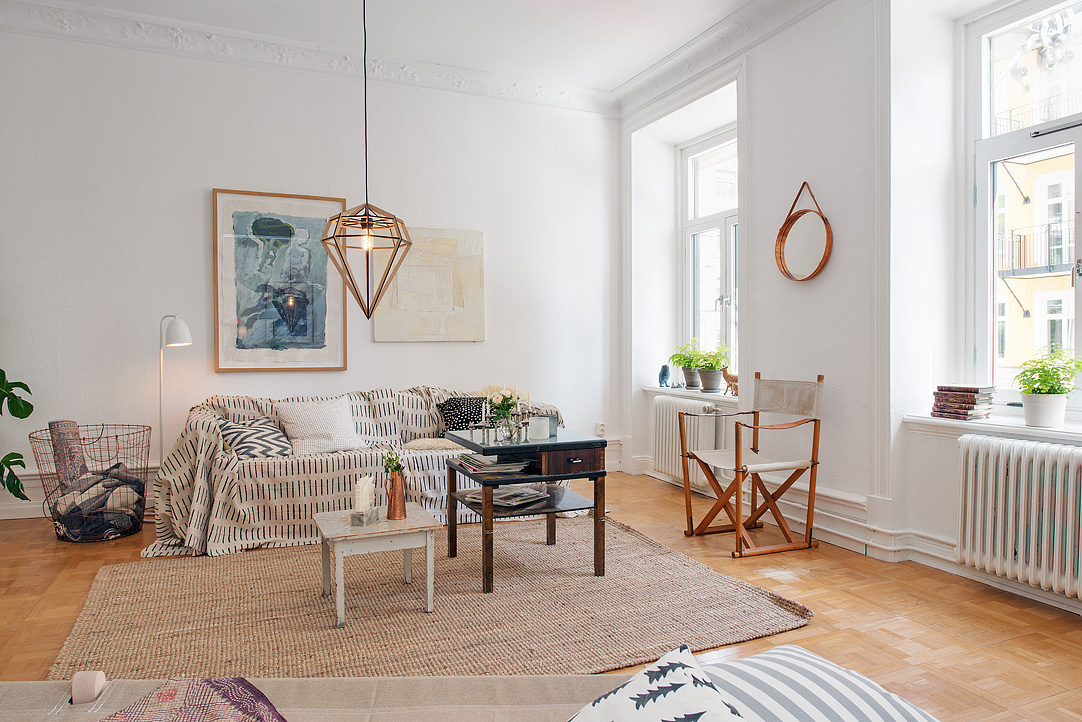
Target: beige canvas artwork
439	292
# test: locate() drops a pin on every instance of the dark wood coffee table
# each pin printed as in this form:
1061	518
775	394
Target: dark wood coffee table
564	455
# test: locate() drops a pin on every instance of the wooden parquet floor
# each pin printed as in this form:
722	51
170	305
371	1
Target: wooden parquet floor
959	649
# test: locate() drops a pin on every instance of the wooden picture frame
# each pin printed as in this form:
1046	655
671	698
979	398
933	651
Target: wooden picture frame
279	303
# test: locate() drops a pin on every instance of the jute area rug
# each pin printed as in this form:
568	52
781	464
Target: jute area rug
262	614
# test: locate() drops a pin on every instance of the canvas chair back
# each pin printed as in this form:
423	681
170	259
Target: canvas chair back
796	398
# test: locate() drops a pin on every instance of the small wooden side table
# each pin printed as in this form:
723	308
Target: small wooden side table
340	538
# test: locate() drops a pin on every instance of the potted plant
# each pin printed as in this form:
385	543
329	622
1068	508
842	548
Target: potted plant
1045	380
710	365
686	357
396	489
20	408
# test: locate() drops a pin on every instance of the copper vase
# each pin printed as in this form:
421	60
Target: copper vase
396	497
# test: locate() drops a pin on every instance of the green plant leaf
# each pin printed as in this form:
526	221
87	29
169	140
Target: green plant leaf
11	481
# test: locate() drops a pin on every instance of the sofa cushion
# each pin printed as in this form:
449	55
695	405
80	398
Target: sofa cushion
433	445
375	416
315	427
672	688
791	684
255	438
461	412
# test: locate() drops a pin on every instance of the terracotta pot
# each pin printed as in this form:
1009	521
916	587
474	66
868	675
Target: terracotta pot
396	496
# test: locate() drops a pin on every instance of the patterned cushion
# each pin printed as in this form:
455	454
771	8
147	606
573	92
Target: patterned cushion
254	438
460	412
375	415
672	688
315	427
790	684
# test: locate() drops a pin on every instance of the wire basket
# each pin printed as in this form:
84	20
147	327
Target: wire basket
95	478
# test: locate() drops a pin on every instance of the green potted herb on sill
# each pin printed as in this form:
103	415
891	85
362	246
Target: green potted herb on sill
1045	380
710	365
687	358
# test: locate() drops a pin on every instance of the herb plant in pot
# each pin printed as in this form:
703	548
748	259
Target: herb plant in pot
687	358
710	365
1045	380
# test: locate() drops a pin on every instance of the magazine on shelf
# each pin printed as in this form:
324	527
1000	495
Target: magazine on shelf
509	496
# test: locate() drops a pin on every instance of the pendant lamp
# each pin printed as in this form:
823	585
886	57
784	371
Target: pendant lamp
366	244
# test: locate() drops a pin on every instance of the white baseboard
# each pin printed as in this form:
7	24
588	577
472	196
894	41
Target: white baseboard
12	508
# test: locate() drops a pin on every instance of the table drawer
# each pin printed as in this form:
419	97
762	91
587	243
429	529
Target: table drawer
575	461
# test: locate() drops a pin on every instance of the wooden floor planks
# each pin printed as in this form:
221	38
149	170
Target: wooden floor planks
958	648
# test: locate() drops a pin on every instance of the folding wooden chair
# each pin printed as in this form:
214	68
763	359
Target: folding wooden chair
794	398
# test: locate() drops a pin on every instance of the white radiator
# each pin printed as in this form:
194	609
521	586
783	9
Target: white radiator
1021	511
700	433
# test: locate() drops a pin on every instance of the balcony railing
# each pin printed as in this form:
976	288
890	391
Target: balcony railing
1041	111
1039	249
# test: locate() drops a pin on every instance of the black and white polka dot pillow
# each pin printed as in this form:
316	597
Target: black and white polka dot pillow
461	412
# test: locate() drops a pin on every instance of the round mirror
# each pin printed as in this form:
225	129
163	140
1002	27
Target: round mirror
803	244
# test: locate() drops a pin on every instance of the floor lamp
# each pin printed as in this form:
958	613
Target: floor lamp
175	334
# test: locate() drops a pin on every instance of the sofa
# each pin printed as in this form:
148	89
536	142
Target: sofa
216	495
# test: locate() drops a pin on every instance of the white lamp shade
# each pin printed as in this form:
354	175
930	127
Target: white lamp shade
177	333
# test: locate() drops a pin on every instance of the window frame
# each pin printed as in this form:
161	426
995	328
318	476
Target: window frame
687	228
981	149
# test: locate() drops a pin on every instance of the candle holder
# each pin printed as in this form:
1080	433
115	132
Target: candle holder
364	518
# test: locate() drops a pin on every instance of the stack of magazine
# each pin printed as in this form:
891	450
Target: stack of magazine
491	464
509	496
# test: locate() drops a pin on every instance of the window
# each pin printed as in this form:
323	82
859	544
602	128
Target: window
708	188
1025	114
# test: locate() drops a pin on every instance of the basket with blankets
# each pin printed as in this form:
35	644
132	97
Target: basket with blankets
94	477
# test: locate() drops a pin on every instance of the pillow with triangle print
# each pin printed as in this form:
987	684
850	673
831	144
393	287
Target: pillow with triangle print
672	689
254	438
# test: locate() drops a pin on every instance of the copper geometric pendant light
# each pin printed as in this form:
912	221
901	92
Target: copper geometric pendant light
380	236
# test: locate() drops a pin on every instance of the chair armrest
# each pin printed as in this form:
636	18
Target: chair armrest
790	425
719	416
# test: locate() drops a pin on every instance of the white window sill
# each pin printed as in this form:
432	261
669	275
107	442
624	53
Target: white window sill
718	398
1007	426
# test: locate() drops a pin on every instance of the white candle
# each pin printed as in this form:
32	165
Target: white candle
364	494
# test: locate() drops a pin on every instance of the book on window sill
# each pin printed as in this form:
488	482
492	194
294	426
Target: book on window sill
985	406
961	416
962	398
966	389
509	496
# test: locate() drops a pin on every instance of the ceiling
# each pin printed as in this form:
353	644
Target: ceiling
595	44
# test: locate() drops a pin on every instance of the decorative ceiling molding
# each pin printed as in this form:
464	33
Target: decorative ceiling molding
129	30
754	22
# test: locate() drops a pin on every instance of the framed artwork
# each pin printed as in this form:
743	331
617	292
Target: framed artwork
438	293
279	303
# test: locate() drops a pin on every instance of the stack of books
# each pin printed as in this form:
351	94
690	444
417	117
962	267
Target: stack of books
963	402
491	464
509	496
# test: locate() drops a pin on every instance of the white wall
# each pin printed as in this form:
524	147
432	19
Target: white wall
810	117
654	276
109	156
923	246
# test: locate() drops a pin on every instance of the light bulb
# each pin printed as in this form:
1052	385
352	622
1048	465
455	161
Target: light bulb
366	241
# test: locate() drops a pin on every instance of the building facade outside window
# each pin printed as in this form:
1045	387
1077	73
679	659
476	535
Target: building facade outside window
709	227
1024	119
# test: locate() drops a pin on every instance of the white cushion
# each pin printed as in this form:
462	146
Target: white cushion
315	427
791	684
672	688
433	445
756	463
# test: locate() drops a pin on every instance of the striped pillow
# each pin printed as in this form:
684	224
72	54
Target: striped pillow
790	684
375	415
254	438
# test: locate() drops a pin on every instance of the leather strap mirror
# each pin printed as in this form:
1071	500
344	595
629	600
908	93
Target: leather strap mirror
804	241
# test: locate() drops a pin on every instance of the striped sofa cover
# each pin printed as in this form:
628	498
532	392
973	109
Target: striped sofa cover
209	501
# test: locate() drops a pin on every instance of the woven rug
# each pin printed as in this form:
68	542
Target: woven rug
262	614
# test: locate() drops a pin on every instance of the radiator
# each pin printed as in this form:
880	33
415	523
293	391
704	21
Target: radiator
700	433
1021	511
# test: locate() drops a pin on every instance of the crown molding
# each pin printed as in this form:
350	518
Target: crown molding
752	23
142	32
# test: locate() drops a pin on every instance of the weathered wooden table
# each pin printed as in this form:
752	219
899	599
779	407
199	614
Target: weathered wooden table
341	539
